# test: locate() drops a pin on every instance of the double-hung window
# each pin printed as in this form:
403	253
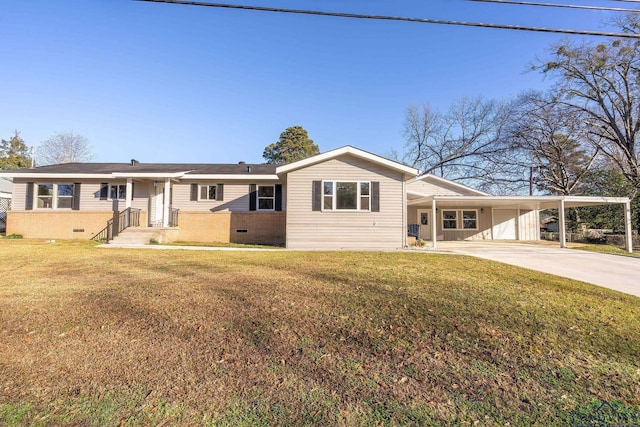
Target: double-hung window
208	192
450	219
266	197
346	195
54	196
470	220
118	191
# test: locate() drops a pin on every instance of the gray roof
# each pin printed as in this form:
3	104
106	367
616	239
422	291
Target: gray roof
189	168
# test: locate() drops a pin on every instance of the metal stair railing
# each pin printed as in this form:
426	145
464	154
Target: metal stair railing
129	217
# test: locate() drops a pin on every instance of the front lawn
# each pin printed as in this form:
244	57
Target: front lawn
94	336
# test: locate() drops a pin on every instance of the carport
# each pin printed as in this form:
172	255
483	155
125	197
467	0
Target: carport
503	207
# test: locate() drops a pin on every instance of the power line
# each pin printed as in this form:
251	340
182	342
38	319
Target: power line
398	18
569	6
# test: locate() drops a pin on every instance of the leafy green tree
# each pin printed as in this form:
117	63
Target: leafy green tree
14	153
294	144
607	180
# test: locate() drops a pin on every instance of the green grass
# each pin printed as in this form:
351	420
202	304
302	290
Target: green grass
606	249
92	336
222	245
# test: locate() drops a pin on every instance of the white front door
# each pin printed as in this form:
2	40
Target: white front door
158	211
424	219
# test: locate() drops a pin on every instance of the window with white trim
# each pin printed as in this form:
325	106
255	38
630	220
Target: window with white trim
208	192
118	191
469	219
54	196
346	195
266	195
449	220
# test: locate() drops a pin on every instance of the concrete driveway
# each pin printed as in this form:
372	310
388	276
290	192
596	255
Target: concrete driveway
616	272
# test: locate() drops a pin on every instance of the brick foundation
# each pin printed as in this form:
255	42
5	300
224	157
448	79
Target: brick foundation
57	225
235	227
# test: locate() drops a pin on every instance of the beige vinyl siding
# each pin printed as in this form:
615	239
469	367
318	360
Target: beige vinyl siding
439	189
482	233
236	196
89	194
308	229
529	225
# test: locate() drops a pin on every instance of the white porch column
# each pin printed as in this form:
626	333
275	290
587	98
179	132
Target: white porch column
627	226
128	193
563	230
165	200
434	219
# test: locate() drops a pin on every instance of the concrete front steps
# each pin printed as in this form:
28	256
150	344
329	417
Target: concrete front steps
142	235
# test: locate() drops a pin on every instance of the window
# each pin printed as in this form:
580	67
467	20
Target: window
266	197
450	220
208	192
351	196
469	219
424	218
54	196
65	196
328	195
45	196
118	192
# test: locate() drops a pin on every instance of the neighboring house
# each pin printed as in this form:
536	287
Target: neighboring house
5	201
344	198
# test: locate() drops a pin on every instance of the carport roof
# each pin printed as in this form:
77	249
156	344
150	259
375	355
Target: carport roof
513	202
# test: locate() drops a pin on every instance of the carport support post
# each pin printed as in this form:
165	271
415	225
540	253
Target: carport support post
434	228
627	226
563	237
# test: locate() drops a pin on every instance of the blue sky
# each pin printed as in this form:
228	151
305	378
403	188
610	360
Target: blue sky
174	83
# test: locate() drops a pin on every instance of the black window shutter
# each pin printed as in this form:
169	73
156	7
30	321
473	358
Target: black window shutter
104	190
132	190
75	203
220	192
375	196
316	196
252	197
28	202
194	193
278	197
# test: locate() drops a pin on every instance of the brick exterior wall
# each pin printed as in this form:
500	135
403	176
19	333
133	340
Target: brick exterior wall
57	225
235	227
261	227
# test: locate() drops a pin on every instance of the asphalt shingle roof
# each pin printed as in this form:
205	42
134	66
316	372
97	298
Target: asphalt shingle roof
190	168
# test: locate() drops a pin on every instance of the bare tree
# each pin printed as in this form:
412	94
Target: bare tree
466	144
64	147
602	82
554	141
